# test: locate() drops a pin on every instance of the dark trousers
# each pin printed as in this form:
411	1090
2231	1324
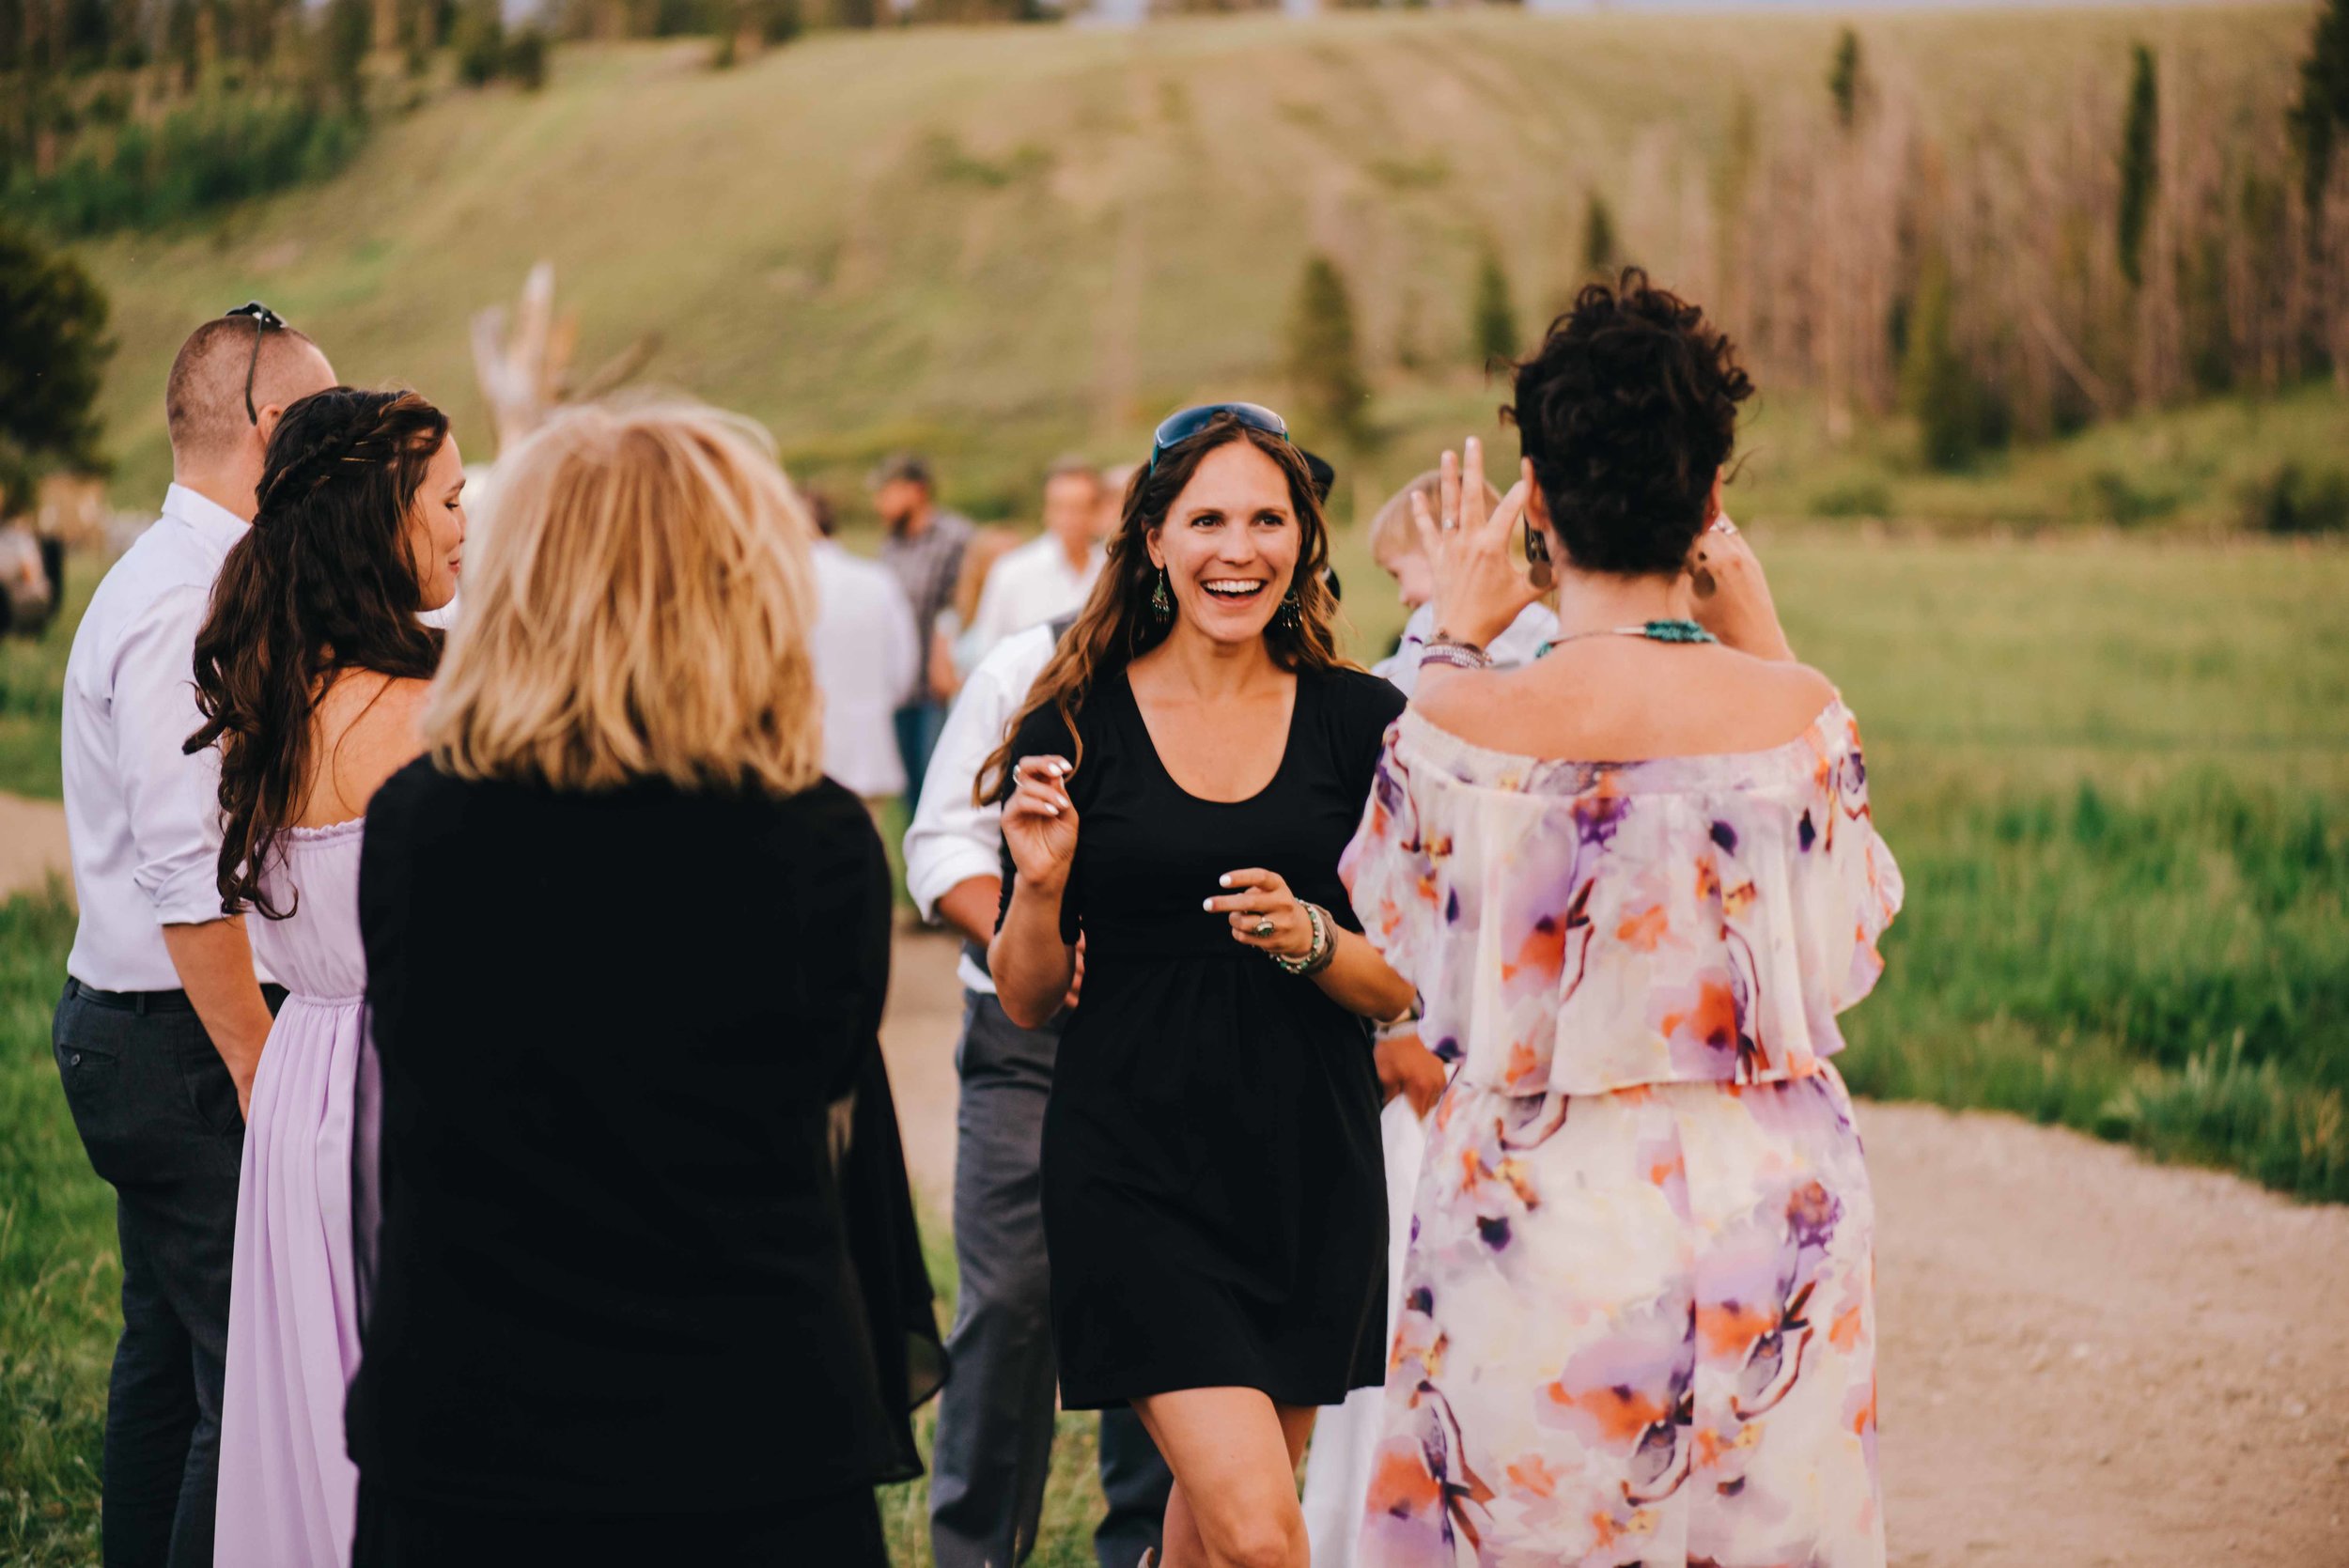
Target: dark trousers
157	1112
994	1445
839	1531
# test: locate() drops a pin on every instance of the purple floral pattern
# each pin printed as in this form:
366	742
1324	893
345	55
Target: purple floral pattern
1638	1312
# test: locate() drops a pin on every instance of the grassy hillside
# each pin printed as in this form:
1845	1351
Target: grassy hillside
998	244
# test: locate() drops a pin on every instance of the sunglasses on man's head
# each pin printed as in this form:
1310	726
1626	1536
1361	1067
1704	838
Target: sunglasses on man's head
264	320
1177	429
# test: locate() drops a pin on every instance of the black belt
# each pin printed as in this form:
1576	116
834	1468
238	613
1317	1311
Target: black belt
156	1002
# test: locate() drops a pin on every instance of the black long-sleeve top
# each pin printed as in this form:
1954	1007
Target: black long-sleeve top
612	1263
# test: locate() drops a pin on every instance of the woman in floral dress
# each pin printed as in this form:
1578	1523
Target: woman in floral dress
1637	1321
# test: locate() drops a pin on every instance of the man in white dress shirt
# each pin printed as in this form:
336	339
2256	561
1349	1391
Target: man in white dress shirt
161	1026
1050	575
995	1417
867	658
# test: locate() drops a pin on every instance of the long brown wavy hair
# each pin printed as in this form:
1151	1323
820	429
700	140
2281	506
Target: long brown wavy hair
323	581
1117	624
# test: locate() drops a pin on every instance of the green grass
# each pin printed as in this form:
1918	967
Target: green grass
2114	771
32	689
60	1281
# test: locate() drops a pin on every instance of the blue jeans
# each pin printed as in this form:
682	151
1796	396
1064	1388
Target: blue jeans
918	726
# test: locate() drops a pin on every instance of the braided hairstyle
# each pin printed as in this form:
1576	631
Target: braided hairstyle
324	581
1628	409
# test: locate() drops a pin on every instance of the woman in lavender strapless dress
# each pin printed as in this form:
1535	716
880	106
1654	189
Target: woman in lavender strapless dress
310	672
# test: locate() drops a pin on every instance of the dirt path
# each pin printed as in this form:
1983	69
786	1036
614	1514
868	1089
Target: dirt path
2088	1362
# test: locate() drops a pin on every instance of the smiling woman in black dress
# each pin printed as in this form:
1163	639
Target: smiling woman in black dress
1214	1202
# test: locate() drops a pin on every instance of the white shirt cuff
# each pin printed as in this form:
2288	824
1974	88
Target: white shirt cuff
939	870
190	896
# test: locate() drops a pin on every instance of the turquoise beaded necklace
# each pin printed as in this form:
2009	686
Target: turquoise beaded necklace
1655	631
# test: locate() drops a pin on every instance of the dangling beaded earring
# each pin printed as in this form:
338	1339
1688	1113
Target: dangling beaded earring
1161	604
1292	611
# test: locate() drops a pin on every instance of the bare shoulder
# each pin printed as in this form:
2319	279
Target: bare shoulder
1484	707
368	726
1627	700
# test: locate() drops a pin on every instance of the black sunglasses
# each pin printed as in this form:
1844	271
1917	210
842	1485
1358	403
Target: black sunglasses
264	320
1176	428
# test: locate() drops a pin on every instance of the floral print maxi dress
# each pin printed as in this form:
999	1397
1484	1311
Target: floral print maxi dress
1638	1322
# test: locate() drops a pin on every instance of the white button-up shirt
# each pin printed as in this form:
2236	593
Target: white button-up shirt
951	839
143	817
1029	586
868	658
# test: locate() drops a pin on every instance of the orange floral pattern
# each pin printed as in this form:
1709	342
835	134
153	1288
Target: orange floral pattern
1638	1319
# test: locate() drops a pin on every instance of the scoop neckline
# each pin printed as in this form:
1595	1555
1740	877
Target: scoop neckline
1288	745
1823	719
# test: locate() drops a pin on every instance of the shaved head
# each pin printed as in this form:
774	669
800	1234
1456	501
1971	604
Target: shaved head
204	400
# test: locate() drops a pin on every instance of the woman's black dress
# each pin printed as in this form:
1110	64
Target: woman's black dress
1214	1195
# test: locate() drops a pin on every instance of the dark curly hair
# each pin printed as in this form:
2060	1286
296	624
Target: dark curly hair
323	581
1627	411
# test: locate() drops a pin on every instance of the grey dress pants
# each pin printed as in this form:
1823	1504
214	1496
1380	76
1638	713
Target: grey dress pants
994	1444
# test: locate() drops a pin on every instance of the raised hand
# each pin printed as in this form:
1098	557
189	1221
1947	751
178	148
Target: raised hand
1480	589
1040	822
1732	595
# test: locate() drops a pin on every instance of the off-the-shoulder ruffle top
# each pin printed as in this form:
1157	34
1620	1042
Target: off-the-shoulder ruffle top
1578	927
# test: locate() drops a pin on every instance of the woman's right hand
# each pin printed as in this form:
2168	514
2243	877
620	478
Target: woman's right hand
1480	589
1040	822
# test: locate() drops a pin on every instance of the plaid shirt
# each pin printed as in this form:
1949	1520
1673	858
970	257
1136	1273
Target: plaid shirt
926	564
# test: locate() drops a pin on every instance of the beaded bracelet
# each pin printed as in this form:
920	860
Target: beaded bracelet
1459	656
1317	956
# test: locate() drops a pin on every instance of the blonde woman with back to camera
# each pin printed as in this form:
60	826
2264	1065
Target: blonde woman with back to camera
623	1294
1634	883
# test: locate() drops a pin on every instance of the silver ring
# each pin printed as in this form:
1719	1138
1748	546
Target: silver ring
1265	928
1722	525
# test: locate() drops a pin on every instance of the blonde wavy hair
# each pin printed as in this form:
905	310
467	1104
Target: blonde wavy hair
639	608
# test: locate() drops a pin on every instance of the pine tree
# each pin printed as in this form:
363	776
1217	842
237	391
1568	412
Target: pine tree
52	353
2321	112
349	34
1843	78
1934	382
2136	165
1493	321
1599	237
1323	362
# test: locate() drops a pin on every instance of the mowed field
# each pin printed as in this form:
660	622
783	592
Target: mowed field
2114	773
1001	244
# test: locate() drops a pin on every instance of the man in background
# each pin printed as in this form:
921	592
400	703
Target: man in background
866	662
994	1445
924	551
160	1027
1051	575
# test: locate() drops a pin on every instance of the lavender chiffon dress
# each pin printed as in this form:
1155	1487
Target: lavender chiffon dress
287	1491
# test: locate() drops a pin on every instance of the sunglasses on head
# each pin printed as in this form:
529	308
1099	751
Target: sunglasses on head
1176	428
264	320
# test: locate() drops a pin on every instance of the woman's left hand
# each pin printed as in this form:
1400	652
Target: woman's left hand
1264	914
